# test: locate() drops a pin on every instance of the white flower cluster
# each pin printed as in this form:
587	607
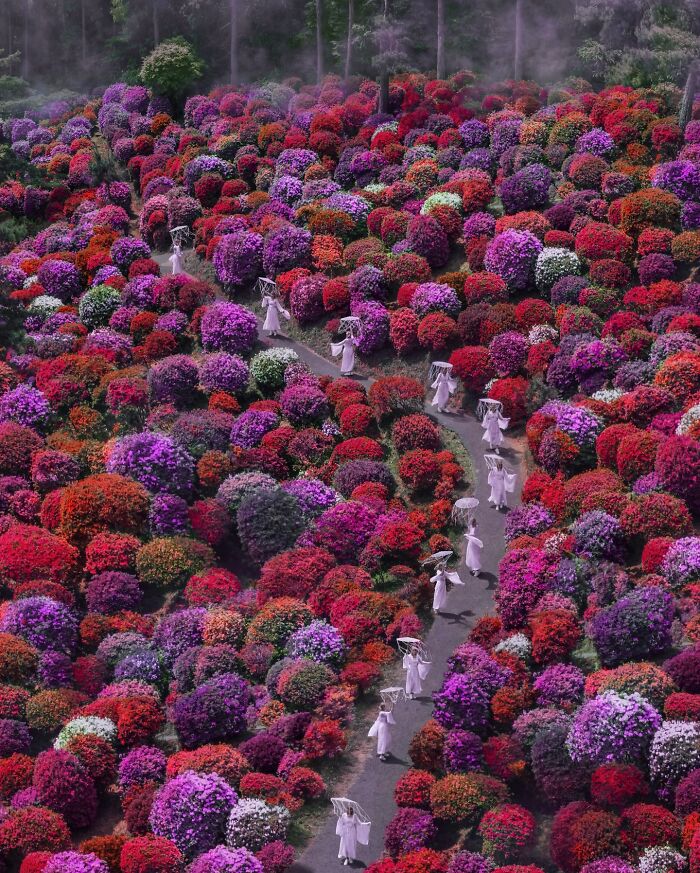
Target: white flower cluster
253	824
104	728
518	645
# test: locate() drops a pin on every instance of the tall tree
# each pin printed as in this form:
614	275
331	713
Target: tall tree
349	40
233	41
518	41
319	40
83	32
155	17
25	38
441	39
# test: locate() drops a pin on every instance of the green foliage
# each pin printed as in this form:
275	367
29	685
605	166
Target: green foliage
104	168
12	87
639	42
171	68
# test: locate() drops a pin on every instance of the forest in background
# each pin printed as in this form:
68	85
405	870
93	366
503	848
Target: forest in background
83	44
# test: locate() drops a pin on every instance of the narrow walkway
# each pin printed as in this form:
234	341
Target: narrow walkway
373	787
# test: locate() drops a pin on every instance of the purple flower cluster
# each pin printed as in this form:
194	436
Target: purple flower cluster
435	297
286	248
220	371
251	426
513	256
192	810
613	727
155	461
26	406
228	327
238	258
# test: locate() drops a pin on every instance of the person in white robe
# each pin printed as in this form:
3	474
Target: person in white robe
440	580
446	387
351	832
472	557
493	424
502	483
176	260
416	671
273	309
346	348
381	729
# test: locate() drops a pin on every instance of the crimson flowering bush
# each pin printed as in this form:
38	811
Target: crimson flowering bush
272	177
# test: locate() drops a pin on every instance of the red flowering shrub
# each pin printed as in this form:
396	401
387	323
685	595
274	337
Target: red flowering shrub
103	503
678	468
356	420
30	553
437	332
392	395
151	854
422	861
472	364
413	789
419	469
485	287
507	830
324	739
645	825
617	785
649	207
415	432
596	241
293	573
466	797
636	454
425	748
33	829
555	634
15	774
512	394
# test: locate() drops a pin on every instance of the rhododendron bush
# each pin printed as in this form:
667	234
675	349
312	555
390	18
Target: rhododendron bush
192	527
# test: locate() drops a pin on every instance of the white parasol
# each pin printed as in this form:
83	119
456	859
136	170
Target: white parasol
486	404
464	510
492	460
180	235
350	323
405	645
437	558
266	286
344	804
391	696
438	367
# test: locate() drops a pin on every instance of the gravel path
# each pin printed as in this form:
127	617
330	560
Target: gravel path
373	787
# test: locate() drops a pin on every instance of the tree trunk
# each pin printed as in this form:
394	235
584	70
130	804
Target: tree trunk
691	86
441	39
233	41
518	42
348	44
384	92
25	39
319	40
384	76
83	32
156	22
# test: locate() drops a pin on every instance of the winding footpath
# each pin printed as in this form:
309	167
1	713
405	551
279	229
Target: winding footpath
373	786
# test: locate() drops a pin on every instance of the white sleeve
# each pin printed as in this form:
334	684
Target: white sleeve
363	832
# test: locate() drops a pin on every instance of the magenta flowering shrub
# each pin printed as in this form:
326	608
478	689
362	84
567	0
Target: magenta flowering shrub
513	256
238	258
228	327
192	810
